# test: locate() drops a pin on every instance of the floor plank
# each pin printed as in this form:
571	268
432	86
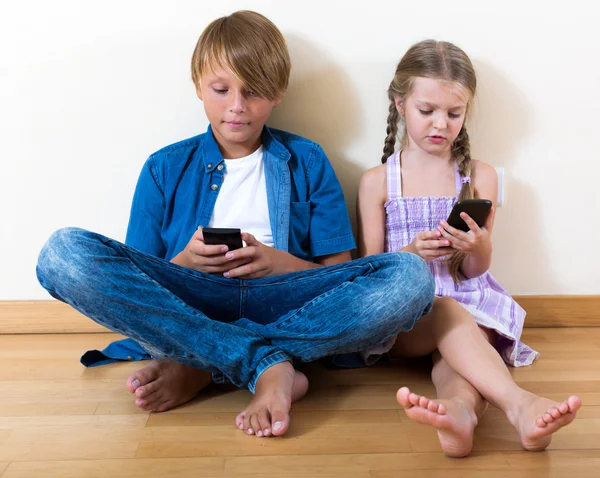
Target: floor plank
58	419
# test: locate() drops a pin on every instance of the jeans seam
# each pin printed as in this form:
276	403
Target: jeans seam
175	267
297	279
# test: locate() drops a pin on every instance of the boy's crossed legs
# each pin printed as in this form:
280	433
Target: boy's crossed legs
307	315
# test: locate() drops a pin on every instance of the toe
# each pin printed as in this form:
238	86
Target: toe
280	420
142	377
547	418
414	399
541	423
402	397
555	412
423	402
239	420
574	403
148	389
247	427
254	426
264	422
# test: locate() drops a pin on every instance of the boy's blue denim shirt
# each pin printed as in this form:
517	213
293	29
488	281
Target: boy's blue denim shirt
178	187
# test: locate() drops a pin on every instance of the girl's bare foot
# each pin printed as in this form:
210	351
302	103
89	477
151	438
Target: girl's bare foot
269	411
537	418
165	384
454	420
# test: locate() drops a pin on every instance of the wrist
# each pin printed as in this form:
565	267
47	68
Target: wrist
181	259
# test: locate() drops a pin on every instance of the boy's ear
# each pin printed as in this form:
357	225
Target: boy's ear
399	105
199	92
277	101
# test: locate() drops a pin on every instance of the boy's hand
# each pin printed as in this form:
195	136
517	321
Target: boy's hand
429	245
476	241
257	260
206	258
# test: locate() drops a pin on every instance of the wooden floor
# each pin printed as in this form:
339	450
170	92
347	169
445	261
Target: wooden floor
58	419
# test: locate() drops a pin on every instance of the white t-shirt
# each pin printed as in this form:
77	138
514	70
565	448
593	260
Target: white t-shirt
242	201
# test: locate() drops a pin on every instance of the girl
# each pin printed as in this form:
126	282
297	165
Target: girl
402	206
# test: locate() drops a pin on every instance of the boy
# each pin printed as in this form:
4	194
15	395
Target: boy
205	313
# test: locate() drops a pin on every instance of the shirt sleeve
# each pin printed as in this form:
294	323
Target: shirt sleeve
147	213
330	229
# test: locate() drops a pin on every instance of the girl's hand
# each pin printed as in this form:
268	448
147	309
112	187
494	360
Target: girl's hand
257	260
429	245
206	258
476	241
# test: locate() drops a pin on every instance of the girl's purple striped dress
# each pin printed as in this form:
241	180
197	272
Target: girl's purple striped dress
483	297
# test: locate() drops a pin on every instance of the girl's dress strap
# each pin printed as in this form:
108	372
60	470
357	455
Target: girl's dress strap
394	176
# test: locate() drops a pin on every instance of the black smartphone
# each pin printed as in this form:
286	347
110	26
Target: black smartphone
232	238
477	209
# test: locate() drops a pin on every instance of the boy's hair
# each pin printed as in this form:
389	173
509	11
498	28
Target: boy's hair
251	46
440	61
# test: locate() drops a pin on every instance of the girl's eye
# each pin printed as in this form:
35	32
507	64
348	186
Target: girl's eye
423	112
454	115
250	93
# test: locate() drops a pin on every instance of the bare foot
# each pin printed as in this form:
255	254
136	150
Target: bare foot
453	419
269	411
165	384
537	418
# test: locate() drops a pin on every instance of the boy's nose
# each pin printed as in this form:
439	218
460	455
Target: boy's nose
238	103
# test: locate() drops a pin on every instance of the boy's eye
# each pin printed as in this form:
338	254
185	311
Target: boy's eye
425	112
454	115
219	91
251	93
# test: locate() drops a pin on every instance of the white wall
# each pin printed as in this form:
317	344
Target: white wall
89	89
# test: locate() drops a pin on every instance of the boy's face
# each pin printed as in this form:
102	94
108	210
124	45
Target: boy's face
236	115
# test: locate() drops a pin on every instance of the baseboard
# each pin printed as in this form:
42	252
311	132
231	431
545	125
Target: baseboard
53	317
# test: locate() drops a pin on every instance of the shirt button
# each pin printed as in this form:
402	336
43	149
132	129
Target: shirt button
220	167
214	187
209	166
129	357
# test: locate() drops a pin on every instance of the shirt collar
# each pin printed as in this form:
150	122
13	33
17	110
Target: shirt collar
213	156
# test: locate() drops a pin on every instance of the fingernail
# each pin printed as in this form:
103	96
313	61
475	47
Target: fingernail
250	431
226	274
277	426
229	255
224	249
135	384
259	433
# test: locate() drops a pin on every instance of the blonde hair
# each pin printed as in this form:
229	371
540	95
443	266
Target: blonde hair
251	46
441	61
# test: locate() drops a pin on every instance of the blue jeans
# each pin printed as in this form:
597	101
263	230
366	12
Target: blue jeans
235	329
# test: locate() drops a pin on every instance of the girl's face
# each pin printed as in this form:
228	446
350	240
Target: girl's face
434	112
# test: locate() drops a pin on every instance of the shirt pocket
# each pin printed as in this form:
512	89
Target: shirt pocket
299	241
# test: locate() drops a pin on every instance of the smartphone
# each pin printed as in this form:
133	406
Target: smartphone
232	238
477	209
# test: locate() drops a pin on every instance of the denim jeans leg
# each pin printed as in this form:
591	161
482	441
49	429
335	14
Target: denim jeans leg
114	286
344	308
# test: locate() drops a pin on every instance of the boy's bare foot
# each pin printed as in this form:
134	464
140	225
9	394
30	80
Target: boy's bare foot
537	418
165	384
453	419
269	411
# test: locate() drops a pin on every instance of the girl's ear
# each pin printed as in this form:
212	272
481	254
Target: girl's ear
399	105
